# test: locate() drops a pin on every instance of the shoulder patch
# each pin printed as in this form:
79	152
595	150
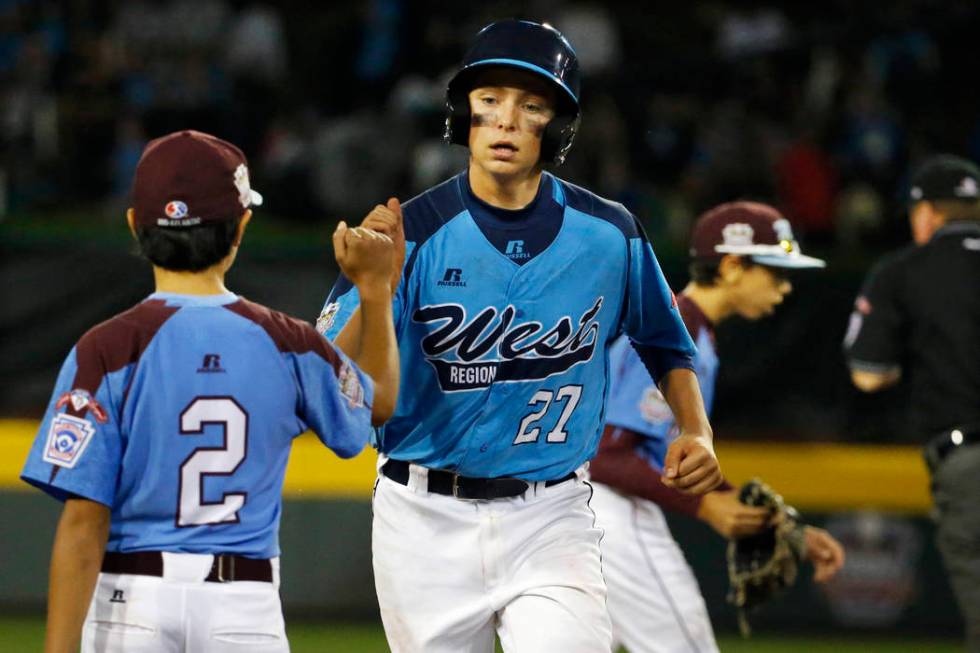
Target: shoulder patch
653	406
67	439
327	317
81	402
350	385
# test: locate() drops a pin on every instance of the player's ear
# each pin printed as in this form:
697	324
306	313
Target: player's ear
131	221
730	269
241	227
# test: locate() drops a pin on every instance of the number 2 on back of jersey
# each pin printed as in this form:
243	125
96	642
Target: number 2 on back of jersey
528	432
192	510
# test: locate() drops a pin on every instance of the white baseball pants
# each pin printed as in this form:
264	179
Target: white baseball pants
181	613
655	603
450	573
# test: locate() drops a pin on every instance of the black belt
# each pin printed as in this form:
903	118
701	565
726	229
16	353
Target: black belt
947	442
226	567
465	487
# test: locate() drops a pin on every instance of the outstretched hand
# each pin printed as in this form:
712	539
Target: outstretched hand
387	219
826	553
690	465
364	256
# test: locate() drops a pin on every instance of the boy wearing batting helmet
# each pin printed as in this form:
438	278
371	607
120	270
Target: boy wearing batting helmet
514	287
170	425
740	252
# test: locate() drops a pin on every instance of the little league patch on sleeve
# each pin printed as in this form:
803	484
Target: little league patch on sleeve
350	386
67	440
653	406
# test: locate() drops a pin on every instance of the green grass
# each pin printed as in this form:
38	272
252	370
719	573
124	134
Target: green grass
26	634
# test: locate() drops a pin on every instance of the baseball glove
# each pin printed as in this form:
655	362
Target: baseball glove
761	565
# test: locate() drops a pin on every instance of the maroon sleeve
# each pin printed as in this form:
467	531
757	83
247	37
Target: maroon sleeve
289	333
619	465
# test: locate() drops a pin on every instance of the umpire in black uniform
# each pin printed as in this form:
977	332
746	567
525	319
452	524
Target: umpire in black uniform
918	316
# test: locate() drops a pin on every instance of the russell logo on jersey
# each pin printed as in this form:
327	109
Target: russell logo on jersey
453	277
524	351
515	251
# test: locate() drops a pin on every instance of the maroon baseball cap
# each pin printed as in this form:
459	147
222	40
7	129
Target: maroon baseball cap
188	178
750	229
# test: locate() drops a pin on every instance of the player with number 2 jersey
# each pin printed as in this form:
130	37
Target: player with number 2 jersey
170	425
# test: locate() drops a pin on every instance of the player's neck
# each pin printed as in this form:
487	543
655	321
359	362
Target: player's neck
206	282
505	191
712	301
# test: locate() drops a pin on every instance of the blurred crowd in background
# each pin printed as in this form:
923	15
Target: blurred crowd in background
821	108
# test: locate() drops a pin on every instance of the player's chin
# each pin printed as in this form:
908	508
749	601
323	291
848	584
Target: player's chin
513	166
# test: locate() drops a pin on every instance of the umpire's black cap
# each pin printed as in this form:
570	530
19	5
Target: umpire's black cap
945	177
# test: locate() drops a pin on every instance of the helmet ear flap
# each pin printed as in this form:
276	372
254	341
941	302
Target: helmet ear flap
457	120
558	137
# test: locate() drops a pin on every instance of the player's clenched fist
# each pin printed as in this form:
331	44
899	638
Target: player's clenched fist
691	465
364	256
387	219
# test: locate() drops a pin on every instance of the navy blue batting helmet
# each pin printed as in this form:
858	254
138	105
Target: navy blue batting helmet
535	47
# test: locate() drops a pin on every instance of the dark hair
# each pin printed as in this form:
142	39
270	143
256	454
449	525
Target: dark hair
704	271
187	249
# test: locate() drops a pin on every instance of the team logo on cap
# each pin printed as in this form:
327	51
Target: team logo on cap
67	439
737	234
783	229
175	210
243	186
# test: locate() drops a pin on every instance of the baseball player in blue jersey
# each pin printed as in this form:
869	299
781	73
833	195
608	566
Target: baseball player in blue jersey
170	425
514	286
739	251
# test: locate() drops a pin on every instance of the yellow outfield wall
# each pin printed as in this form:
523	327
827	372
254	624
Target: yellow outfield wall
812	476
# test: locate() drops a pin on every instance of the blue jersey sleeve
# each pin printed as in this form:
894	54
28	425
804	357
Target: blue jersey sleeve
335	398
651	318
341	303
78	448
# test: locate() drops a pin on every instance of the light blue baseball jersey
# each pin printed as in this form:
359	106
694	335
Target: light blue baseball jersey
505	362
179	415
635	402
